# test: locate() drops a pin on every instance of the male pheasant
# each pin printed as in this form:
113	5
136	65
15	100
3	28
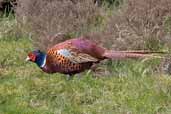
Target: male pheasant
76	55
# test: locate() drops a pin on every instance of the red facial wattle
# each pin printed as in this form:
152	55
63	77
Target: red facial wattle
32	57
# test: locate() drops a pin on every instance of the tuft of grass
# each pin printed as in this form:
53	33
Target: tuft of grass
24	88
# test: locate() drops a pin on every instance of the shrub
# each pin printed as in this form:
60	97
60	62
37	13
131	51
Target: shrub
7	7
46	18
140	24
136	24
110	3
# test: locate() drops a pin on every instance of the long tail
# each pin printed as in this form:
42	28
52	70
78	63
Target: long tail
132	54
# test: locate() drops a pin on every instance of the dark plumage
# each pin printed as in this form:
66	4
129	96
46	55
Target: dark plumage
76	55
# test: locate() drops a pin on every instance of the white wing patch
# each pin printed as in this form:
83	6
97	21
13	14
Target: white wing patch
64	52
76	57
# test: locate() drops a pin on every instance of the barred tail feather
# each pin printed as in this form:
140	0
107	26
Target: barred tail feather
131	54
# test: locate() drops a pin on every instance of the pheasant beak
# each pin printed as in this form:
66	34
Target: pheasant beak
27	59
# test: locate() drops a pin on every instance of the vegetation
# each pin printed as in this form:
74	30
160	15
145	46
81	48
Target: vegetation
122	87
131	88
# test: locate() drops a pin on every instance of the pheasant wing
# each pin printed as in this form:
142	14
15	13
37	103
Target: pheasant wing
75	56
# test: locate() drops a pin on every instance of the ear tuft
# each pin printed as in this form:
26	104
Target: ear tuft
37	51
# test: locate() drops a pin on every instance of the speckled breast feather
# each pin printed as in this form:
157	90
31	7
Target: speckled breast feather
65	65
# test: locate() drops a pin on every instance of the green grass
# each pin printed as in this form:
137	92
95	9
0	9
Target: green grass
132	87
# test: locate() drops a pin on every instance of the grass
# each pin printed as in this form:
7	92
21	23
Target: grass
25	89
131	88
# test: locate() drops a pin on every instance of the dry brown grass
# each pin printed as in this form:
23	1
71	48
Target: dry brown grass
140	24
46	18
136	24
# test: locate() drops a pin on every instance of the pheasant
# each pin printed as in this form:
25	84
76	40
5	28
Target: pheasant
76	55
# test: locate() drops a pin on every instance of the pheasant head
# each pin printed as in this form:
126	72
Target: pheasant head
37	57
